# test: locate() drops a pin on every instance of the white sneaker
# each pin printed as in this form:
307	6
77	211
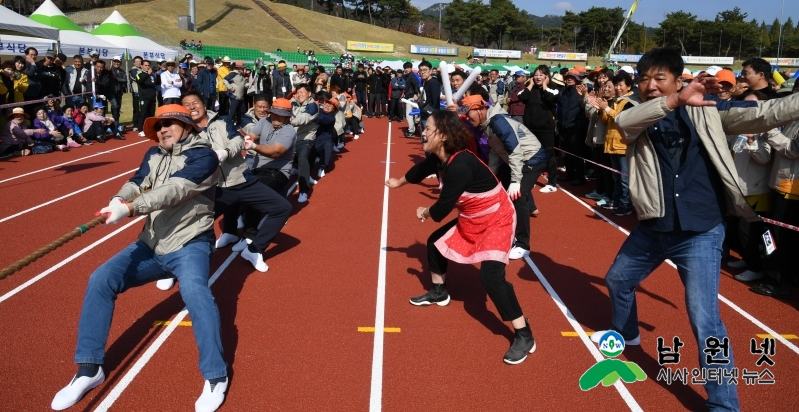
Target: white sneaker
321	173
62	147
73	392
311	181
226	239
336	149
518	253
302	198
240	222
135	129
294	171
433	176
749	276
355	137
737	264
597	336
238	247
548	189
256	259
165	284
210	400
141	134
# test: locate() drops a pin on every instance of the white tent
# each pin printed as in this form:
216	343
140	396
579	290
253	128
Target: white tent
514	69
17	25
116	30
74	40
16	45
394	64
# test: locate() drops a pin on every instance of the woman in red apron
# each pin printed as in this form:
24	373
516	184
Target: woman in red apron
482	232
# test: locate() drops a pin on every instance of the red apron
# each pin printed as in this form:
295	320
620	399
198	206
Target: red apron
485	230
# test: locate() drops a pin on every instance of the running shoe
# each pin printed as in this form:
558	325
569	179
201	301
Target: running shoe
749	276
623	211
321	173
302	198
523	344
518	253
594	195
548	189
438	295
77	387
609	206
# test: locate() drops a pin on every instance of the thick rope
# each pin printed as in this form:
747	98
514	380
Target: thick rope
27	260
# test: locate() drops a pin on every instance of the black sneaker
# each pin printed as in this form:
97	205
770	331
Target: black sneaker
609	206
438	295
119	136
623	211
523	344
101	139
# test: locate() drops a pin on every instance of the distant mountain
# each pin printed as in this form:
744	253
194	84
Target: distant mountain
433	10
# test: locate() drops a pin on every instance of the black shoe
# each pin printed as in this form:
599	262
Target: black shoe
101	139
623	211
438	295
523	343
119	136
409	135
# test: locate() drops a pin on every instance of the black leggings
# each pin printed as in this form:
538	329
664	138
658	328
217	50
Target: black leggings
547	139
492	274
354	124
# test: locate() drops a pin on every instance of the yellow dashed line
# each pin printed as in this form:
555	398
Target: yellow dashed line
784	335
372	329
167	322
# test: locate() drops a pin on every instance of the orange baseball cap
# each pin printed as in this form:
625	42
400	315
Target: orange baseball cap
472	102
281	107
726	75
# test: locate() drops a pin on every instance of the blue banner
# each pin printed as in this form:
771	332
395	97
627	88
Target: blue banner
437	50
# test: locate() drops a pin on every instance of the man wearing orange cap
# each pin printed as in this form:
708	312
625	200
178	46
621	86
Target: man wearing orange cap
171	188
519	149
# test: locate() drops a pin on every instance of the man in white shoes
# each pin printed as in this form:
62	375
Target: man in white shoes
519	149
237	186
304	114
171	188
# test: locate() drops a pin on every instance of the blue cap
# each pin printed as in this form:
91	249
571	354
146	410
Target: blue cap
184	66
98	105
521	73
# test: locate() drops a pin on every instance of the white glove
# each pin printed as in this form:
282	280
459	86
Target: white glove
514	191
116	210
222	155
248	142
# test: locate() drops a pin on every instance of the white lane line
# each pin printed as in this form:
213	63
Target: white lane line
376	394
73	161
726	301
150	352
67	195
625	394
67	260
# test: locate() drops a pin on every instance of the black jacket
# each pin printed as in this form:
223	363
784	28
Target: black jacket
50	78
105	84
411	85
146	86
539	109
359	79
376	83
338	80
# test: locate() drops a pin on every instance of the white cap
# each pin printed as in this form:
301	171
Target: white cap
628	69
712	70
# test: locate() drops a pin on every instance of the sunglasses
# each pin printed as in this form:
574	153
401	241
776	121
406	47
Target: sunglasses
165	123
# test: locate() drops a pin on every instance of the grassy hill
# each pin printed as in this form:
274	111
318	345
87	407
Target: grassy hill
241	23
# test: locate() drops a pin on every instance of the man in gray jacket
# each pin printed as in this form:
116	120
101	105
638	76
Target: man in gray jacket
682	184
76	81
236	86
171	188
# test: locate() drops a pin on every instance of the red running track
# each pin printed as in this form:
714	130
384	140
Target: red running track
291	335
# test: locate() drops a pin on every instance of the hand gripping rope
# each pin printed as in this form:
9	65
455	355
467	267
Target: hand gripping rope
44	250
764	219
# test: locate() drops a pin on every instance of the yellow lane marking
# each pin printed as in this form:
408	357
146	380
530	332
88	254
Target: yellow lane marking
572	334
786	336
372	329
167	322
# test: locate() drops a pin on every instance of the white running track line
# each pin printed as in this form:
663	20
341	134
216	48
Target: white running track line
376	393
73	161
625	394
726	301
150	352
67	195
67	260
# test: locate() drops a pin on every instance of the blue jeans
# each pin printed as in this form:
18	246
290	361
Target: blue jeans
621	183
137	265
698	260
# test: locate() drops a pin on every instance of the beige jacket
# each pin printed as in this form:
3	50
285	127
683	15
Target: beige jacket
753	164
233	168
596	128
711	124
785	149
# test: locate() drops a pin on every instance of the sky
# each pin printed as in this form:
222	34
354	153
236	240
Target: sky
652	12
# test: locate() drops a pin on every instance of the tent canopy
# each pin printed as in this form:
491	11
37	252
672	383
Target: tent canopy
17	25
16	45
74	40
116	30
